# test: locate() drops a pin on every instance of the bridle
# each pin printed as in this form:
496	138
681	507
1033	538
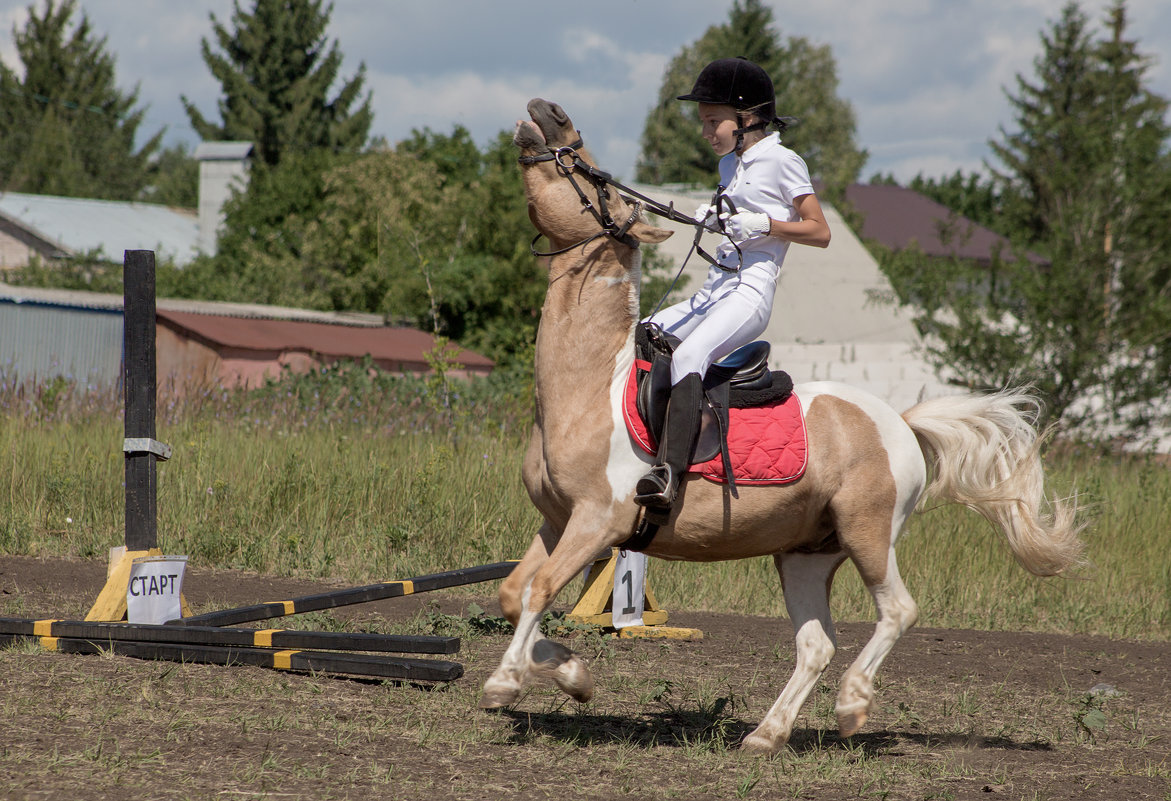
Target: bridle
569	163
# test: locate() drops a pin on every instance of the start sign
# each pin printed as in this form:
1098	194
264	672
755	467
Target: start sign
153	594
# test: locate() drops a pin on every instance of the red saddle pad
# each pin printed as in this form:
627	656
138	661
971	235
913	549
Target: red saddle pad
766	444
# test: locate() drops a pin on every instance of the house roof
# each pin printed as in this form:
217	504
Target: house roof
401	345
79	225
899	218
223	151
252	326
105	300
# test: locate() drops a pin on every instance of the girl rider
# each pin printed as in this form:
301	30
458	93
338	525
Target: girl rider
770	190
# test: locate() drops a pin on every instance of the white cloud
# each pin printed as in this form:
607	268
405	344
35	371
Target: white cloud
926	77
11	18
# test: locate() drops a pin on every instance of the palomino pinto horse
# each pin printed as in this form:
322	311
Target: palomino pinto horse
867	469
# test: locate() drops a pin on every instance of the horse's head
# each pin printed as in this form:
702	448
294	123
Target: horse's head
555	184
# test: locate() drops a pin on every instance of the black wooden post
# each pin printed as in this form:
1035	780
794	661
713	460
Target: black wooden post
138	277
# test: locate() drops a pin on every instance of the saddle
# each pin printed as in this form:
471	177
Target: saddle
741	380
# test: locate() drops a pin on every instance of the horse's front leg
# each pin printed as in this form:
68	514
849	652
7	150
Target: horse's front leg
531	655
513	587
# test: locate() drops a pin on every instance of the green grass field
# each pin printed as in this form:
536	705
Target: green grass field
345	475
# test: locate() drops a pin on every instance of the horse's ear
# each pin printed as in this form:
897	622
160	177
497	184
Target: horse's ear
649	234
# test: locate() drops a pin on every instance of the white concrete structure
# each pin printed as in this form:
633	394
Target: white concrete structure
223	168
833	317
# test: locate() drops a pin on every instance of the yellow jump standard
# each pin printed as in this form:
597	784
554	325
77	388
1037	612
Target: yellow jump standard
595	606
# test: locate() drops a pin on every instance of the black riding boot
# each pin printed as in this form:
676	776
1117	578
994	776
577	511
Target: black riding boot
656	490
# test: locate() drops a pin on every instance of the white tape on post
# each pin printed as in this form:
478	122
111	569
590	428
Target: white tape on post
629	589
153	594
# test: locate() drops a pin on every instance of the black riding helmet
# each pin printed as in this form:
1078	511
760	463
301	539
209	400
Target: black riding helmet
741	84
735	82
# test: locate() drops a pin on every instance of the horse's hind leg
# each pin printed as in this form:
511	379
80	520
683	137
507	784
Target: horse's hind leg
806	580
897	612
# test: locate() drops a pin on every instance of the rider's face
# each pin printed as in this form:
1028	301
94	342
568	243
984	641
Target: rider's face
719	126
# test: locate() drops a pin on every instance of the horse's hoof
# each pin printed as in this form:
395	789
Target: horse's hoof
552	660
759	745
575	679
497	697
851	721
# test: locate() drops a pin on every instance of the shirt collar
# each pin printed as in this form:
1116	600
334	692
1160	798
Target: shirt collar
761	147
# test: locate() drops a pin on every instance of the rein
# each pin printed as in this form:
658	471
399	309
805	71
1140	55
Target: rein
600	179
601	211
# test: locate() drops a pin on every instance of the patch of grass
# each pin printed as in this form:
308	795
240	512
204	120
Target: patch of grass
361	477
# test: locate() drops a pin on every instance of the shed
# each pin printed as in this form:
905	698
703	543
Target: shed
51	332
56	228
234	350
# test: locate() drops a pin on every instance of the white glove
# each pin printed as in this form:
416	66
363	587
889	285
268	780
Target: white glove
745	225
702	212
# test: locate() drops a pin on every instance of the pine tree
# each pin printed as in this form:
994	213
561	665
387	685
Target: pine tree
67	128
805	78
276	74
1085	182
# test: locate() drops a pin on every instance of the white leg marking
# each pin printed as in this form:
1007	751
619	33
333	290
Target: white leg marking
506	682
806	584
897	612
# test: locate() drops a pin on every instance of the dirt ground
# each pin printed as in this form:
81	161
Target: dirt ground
959	714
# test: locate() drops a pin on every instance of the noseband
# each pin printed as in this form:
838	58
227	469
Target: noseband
568	163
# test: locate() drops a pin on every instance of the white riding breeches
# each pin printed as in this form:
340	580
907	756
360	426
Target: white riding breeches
725	314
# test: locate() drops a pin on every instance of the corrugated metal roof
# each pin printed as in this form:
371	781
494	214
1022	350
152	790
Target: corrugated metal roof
60	297
100	300
403	345
79	225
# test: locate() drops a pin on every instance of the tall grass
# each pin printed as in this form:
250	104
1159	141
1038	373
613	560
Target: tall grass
962	574
350	474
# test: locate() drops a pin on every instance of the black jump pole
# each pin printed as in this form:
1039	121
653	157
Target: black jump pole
140	447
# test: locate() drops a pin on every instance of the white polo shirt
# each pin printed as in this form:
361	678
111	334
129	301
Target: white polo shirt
768	178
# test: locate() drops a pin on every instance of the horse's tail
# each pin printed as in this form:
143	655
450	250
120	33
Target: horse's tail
984	451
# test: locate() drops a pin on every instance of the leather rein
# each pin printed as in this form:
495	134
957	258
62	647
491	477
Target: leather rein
568	162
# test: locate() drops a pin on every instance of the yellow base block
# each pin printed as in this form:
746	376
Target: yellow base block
606	620
595	606
666	632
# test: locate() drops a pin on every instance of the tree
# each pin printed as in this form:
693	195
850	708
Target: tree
260	250
174	178
805	78
276	76
1085	183
434	231
67	128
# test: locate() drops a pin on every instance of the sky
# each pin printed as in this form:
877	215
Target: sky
927	78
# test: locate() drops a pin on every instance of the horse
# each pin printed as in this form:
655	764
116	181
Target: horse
868	466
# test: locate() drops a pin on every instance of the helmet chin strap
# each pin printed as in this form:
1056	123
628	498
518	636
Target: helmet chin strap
739	133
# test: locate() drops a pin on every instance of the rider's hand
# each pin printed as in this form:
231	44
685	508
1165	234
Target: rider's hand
702	212
746	225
